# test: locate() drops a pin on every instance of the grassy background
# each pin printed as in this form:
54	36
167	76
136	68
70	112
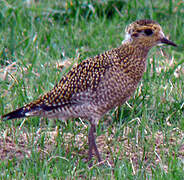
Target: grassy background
39	42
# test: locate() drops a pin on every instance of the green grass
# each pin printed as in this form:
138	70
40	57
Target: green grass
140	140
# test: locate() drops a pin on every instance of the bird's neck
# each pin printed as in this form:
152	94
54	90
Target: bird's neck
133	59
132	47
130	52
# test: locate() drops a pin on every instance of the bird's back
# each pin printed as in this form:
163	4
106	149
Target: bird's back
90	89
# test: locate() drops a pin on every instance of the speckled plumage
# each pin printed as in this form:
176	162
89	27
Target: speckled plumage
100	83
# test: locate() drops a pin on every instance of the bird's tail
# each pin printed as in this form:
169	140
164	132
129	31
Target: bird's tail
25	111
18	113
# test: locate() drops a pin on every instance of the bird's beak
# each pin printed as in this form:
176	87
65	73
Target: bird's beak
166	41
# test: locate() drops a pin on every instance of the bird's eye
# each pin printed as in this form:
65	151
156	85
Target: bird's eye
148	32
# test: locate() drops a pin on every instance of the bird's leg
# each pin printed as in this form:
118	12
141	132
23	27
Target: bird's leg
92	144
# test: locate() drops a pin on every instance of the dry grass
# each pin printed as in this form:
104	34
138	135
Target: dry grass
111	147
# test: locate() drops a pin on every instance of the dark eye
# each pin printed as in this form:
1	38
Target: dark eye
148	32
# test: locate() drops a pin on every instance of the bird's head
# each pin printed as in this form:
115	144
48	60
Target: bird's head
146	33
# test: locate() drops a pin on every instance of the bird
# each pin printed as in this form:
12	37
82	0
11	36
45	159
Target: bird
100	83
